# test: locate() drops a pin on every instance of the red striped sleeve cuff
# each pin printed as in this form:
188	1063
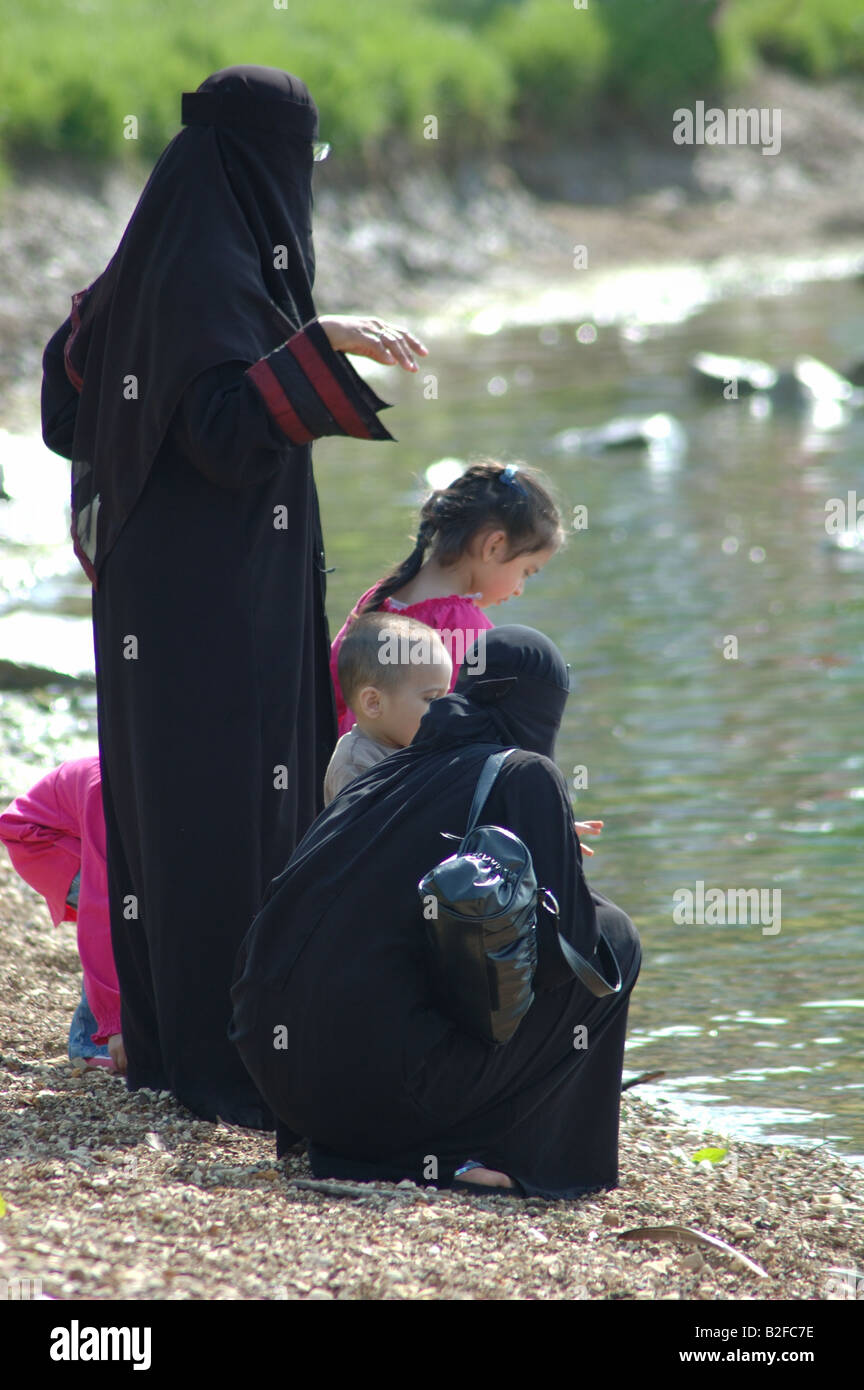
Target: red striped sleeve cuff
311	391
278	404
324	381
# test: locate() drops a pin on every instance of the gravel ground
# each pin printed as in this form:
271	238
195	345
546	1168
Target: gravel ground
116	1195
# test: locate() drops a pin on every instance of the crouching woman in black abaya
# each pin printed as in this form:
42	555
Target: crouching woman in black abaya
335	1014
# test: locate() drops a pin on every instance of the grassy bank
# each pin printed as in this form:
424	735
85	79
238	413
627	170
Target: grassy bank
72	72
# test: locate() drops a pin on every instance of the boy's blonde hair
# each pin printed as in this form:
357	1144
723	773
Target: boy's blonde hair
378	648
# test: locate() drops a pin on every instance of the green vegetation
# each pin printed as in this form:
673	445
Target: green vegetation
559	60
818	39
71	70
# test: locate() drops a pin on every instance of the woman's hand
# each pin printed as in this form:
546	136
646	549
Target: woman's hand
587	827
369	337
117	1052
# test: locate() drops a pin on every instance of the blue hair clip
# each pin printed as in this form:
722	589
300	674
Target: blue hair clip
509	477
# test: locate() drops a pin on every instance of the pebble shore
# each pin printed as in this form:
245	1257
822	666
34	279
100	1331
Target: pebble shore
116	1195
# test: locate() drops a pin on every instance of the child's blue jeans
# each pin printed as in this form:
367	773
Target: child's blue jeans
83	1025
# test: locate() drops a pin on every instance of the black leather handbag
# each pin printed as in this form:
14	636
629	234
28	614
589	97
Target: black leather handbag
480	912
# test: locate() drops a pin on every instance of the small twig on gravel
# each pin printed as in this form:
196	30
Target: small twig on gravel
691	1237
341	1189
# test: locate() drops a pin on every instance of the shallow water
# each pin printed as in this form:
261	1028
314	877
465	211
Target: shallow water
734	773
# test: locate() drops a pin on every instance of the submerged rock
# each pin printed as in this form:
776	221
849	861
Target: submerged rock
625	432
822	383
42	649
16	675
807	383
714	374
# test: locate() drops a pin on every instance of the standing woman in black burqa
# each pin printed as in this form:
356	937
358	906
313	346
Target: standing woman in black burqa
186	387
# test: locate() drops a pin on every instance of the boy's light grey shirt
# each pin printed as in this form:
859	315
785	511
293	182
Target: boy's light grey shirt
353	754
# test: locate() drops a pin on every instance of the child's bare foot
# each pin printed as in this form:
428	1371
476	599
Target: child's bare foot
486	1177
118	1053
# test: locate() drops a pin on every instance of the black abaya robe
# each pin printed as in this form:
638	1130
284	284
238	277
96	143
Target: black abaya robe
215	728
196	516
333	1010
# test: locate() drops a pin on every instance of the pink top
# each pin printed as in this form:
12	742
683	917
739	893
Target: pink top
457	620
51	832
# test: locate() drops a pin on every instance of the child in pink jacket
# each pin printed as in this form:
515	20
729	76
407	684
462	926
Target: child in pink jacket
55	835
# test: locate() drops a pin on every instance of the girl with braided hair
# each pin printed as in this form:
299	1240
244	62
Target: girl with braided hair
477	542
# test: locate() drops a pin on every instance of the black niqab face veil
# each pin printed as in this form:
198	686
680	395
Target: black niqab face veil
216	265
264	123
512	689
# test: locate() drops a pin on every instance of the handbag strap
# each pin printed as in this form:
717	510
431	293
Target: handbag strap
599	985
485	781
